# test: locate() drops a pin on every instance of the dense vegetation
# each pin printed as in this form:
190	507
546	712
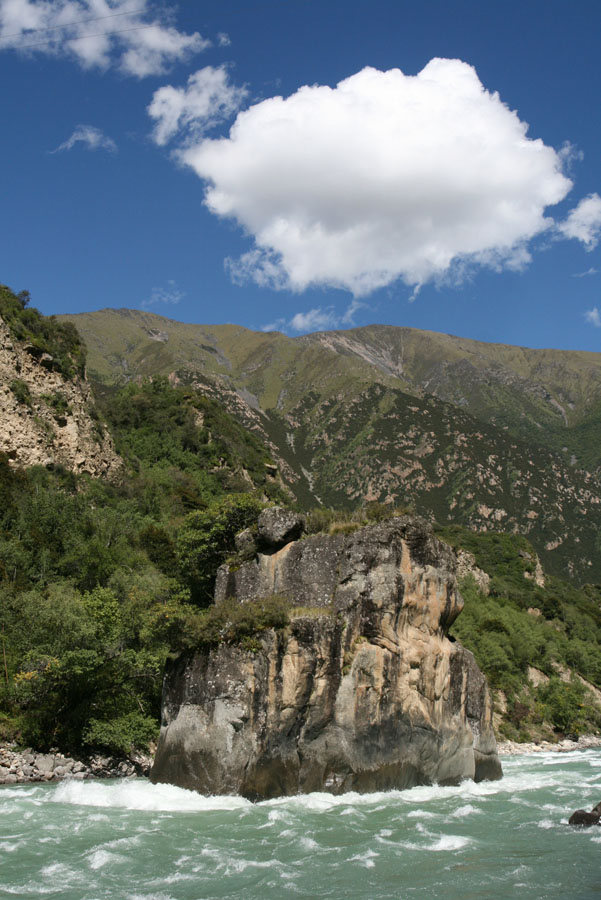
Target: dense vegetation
66	352
555	628
182	449
98	582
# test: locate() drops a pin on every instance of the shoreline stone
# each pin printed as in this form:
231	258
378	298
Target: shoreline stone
28	766
514	748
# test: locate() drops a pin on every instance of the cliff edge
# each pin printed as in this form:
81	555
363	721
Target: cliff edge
45	416
363	690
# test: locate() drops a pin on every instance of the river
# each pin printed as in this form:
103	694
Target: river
130	840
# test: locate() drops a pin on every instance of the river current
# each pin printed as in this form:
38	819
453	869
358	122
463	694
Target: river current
130	840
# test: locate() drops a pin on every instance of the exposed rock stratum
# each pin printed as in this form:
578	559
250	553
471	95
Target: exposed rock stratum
33	433
362	691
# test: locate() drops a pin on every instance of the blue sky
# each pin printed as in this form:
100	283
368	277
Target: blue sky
366	194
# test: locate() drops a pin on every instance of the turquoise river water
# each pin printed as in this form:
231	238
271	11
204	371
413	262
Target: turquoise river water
130	840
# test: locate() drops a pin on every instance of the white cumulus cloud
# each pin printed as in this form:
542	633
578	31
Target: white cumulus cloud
584	222
593	317
91	137
385	176
98	33
208	98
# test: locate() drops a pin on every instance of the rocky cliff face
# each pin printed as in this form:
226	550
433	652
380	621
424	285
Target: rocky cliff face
362	691
46	417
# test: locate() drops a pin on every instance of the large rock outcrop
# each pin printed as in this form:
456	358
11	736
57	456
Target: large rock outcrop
362	691
45	417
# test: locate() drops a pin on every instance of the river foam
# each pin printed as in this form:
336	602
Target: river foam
104	840
522	778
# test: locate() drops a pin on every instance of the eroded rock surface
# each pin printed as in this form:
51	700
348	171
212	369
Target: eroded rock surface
277	526
466	565
363	691
33	431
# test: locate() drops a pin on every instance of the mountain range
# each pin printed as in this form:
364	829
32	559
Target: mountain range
488	436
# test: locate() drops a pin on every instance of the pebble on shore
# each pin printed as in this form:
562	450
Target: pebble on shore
513	748
25	766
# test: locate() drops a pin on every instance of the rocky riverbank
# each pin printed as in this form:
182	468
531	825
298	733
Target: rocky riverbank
513	748
24	766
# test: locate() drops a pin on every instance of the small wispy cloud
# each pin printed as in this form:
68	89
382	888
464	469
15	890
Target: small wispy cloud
584	222
92	138
314	320
208	98
591	271
317	319
223	39
169	294
135	36
593	317
570	154
276	325
349	316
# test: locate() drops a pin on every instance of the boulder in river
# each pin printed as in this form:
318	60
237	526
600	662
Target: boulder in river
582	817
363	690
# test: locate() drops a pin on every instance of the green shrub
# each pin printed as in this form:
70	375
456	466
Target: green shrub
322	520
21	392
564	705
506	639
58	403
44	334
232	622
343	527
319	519
206	537
122	734
97	578
186	443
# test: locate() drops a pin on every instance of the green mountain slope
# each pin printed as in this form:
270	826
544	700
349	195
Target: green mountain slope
490	436
385	445
539	395
537	638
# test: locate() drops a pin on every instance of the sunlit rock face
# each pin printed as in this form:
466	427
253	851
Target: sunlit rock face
362	691
32	432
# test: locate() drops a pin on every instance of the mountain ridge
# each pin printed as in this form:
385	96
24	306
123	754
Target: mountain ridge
550	368
489	435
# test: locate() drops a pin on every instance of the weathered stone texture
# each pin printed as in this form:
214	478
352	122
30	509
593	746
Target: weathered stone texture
363	691
466	565
35	435
277	526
